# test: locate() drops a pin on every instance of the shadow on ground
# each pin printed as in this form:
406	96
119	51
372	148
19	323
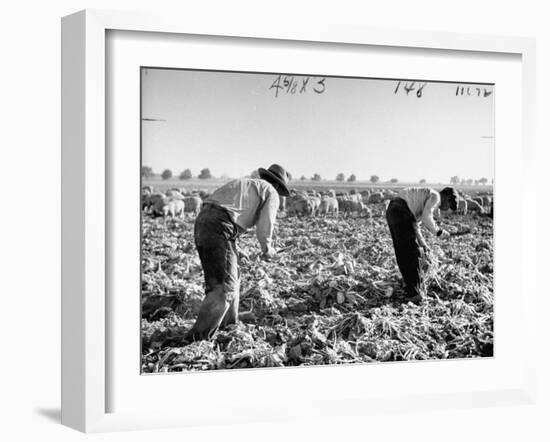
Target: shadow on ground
51	414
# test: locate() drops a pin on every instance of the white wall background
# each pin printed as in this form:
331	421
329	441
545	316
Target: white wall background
30	220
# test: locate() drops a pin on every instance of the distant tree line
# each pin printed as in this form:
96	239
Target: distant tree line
456	180
147	172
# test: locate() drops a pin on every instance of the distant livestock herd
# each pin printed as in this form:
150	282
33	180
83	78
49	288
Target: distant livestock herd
174	202
312	203
177	202
481	203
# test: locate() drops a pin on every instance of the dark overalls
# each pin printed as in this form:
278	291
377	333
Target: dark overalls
403	228
215	239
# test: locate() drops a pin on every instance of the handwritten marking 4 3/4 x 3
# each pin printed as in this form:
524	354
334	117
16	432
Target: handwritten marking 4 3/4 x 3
290	85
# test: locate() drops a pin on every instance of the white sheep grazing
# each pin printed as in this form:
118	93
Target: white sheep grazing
174	207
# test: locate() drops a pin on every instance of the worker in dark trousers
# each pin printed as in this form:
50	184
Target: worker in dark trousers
232	209
414	206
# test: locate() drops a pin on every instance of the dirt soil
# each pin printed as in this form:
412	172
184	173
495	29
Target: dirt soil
334	297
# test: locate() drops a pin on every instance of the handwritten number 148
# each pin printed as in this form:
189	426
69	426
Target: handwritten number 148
410	87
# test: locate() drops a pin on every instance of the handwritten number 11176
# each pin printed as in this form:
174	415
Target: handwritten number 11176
285	84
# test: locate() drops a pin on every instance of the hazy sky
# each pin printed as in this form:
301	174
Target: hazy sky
233	123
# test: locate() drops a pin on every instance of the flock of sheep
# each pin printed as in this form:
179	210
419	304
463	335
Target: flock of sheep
330	202
324	203
176	202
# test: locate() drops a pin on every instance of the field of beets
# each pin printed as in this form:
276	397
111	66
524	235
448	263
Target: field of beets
333	297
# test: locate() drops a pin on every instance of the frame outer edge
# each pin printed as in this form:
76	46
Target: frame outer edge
337	33
95	246
83	189
530	213
73	364
83	333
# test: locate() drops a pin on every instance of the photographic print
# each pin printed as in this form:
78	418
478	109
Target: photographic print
302	220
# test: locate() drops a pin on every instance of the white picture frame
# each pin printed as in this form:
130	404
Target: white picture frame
85	218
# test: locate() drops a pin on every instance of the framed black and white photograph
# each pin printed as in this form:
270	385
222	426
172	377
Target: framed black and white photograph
283	220
314	216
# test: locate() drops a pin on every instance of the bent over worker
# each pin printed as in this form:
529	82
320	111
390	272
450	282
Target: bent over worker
232	209
405	213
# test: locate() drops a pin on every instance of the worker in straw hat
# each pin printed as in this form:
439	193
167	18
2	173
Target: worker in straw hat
232	209
414	206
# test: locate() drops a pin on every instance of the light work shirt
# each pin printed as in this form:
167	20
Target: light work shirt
250	202
422	202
